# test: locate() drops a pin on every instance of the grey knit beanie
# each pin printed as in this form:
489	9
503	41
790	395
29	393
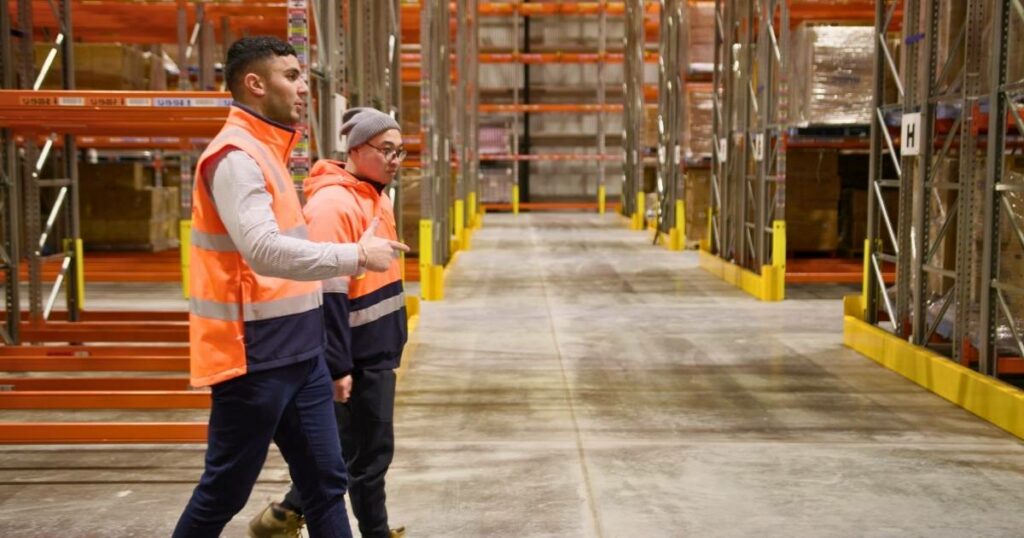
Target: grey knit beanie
363	123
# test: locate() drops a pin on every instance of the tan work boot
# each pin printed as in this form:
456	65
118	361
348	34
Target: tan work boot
276	522
397	533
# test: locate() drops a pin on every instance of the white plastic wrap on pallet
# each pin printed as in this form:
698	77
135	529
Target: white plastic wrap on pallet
831	75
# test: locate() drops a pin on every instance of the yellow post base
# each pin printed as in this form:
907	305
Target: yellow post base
437	283
460	225
674	240
515	199
779	244
770	285
989	398
185	241
602	194
638	222
426	258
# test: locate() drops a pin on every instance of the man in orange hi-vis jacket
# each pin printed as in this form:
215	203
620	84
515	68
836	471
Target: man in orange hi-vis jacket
256	330
365	317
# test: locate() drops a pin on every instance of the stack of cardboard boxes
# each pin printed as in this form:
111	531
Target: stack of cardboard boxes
812	200
697	192
101	66
122	210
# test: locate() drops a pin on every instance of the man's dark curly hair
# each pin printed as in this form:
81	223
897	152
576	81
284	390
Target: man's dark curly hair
248	51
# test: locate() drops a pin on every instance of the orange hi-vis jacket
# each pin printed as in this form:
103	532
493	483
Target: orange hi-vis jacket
365	315
240	321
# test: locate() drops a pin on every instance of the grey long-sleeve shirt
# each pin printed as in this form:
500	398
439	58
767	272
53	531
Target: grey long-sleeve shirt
244	205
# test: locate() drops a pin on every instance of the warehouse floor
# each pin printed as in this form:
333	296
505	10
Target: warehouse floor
576	381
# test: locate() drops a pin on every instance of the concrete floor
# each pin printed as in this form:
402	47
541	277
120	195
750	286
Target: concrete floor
578	382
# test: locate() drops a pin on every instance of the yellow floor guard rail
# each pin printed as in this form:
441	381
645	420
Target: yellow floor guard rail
991	399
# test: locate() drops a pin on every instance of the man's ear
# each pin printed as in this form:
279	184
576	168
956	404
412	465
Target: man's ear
254	84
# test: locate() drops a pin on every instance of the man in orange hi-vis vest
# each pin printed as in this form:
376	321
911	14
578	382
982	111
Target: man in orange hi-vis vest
256	326
365	317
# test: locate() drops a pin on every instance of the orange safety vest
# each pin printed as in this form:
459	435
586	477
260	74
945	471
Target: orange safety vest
371	307
240	321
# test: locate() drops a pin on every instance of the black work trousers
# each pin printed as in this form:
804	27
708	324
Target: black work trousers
366	428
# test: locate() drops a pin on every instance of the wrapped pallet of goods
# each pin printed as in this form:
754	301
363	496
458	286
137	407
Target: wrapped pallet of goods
701	50
697	138
832	75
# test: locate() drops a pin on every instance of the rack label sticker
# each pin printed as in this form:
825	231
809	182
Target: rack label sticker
723	149
171	102
186	102
37	101
71	101
205	102
910	134
105	101
758	142
138	101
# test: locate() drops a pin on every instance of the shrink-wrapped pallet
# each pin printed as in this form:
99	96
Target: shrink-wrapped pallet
831	75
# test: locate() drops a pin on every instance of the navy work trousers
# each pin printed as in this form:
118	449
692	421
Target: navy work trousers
293	406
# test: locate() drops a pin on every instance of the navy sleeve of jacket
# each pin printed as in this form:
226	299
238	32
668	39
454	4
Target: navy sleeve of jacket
339	335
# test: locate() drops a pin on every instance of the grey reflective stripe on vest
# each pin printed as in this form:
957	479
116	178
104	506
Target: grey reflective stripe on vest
255	311
213	241
377	311
214	309
336	285
298	232
282	307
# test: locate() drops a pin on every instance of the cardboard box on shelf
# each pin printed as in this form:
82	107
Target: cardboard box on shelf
816	231
812	200
114	175
412	180
697	192
130	234
650	132
697	138
100	66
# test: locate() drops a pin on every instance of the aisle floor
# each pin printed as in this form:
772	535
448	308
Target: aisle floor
577	381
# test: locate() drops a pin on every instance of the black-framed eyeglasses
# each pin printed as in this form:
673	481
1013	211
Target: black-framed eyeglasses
389	154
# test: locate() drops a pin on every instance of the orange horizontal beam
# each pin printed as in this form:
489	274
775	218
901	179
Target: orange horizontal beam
521	108
552	157
550	206
560	8
102	432
101	331
155	21
139	363
93	351
112	315
413	58
104	400
107	113
94	383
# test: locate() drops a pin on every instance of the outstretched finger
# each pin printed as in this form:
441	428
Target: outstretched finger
372	228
